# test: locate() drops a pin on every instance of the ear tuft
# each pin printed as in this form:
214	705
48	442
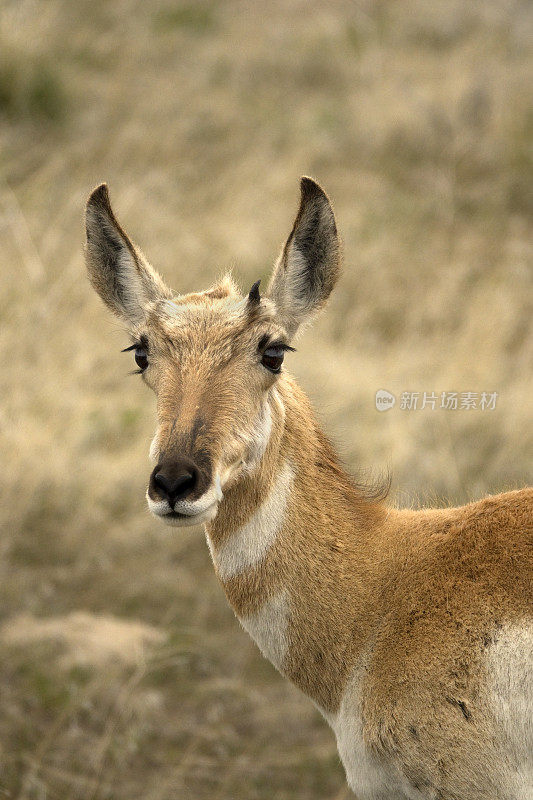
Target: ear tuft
309	265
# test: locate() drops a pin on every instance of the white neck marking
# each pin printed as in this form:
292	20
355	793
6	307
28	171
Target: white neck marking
248	545
268	627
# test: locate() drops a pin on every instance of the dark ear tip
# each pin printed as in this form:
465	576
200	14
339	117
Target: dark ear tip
99	197
310	188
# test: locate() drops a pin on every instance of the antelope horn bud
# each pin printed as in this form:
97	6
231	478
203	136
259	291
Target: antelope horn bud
254	297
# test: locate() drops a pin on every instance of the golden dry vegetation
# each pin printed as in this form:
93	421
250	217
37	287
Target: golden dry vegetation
123	673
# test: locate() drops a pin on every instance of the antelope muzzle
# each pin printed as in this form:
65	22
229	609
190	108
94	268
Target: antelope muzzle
180	492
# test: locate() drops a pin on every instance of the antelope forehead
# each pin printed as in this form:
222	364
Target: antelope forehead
213	305
203	305
207	332
195	324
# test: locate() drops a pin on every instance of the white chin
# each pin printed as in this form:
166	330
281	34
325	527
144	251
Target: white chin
187	521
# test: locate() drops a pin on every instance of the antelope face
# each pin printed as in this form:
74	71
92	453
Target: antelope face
212	358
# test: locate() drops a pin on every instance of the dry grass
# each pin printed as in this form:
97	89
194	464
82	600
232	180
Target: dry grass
416	117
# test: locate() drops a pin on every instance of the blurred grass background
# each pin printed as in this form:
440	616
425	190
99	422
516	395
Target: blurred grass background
123	673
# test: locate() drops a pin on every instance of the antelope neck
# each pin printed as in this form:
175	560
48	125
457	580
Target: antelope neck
292	545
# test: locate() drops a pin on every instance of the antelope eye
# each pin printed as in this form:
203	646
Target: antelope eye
141	358
272	358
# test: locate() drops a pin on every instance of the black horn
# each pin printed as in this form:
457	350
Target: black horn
253	295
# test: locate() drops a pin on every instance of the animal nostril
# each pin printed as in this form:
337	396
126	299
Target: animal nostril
174	486
173	483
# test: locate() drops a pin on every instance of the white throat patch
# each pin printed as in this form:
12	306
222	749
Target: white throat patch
248	545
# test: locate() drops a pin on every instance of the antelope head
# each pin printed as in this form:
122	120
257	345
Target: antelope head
213	358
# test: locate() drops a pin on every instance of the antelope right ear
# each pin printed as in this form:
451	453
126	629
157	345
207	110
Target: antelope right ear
309	265
117	269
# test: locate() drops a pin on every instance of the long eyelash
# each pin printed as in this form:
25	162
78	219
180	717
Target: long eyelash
282	346
141	342
265	343
136	372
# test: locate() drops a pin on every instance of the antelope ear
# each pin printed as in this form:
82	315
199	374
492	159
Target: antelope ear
117	269
309	264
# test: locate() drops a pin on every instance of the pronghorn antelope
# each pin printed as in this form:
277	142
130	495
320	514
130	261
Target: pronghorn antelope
412	631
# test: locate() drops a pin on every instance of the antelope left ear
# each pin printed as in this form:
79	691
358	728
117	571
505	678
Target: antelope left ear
309	265
117	269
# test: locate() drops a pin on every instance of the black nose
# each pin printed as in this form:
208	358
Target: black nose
174	480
